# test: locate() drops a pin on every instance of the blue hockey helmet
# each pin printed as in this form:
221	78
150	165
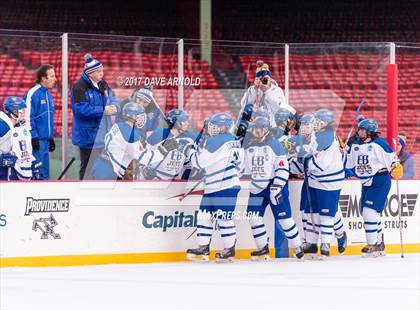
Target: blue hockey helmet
176	118
260	112
306	119
306	124
261	122
322	118
14	107
12	104
371	126
219	123
282	116
261	127
135	112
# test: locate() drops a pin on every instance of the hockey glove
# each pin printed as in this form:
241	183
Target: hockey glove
148	173
51	147
36	170
348	173
275	194
290	147
185	147
35	144
7	160
397	171
167	146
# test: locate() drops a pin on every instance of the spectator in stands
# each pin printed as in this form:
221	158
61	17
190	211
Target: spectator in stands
405	158
265	93
40	116
144	96
93	104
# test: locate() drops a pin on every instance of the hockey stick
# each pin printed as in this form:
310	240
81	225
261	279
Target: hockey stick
356	116
399	203
66	168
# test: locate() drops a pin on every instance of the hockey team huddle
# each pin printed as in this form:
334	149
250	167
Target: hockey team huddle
260	146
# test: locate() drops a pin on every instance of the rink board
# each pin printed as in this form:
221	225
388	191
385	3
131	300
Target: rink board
74	223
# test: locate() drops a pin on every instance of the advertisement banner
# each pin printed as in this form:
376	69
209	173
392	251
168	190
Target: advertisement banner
109	222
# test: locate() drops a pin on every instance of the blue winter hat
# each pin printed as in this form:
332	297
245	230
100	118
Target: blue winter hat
402	139
91	64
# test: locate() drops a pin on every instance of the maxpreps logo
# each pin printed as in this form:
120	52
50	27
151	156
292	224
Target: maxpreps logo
178	219
46	205
350	208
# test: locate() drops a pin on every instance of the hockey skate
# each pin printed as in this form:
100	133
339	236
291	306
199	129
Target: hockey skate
325	250
381	246
226	255
342	243
371	250
263	253
299	253
311	250
199	254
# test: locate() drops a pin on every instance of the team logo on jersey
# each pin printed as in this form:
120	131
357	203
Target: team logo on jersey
43	101
281	163
46	226
46	205
251	150
356	148
25	132
15	135
370	148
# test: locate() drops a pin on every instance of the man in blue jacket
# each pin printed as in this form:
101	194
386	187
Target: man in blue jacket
93	104
40	116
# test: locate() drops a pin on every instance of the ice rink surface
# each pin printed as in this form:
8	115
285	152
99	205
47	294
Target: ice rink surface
348	282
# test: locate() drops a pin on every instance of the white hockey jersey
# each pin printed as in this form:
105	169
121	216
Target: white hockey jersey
266	162
123	144
175	163
325	167
369	158
221	158
17	141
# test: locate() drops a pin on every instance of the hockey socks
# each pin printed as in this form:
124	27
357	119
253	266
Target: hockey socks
371	220
258	231
290	230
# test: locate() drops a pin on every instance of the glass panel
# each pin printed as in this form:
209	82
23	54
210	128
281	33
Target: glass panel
339	76
408	60
129	63
21	53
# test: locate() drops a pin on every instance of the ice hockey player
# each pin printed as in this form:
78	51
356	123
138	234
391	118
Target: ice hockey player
16	159
174	164
284	122
373	161
266	162
303	144
325	173
124	142
221	158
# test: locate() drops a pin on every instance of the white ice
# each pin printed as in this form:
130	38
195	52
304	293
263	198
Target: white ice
348	282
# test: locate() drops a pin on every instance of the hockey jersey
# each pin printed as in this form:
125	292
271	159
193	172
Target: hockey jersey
266	163
17	140
176	161
325	166
221	158
367	159
123	143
